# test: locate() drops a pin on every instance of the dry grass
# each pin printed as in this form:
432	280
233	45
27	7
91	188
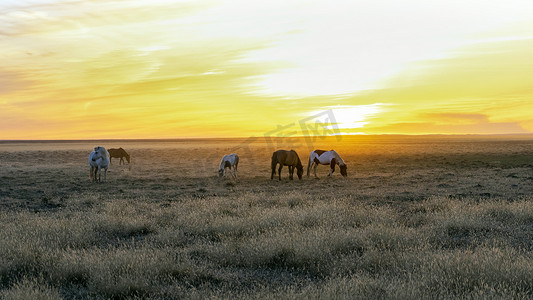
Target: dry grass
416	218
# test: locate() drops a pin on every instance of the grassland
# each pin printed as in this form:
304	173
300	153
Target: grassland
418	217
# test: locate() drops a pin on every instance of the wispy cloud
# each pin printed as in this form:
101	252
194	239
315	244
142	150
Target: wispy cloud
482	87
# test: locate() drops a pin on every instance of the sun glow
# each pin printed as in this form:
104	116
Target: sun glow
351	116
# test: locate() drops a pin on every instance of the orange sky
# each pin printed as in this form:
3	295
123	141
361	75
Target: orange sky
170	69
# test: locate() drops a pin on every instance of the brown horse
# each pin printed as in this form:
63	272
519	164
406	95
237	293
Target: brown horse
287	158
119	153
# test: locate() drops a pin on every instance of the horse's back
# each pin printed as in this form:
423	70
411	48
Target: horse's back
232	158
279	156
318	152
286	157
116	152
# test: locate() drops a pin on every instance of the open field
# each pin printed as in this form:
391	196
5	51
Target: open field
417	217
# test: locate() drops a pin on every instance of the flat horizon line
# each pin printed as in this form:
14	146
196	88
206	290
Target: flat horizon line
177	139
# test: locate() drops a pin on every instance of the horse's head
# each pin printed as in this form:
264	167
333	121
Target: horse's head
127	156
300	171
220	173
99	153
343	170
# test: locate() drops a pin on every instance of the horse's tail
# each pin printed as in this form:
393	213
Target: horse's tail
273	164
274	160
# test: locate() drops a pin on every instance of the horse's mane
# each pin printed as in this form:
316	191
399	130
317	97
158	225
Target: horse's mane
299	163
105	151
222	162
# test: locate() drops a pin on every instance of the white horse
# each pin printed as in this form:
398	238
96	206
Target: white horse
98	160
326	158
230	161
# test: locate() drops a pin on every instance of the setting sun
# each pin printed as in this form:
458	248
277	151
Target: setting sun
171	69
351	117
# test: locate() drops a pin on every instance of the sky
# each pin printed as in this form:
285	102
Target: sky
236	68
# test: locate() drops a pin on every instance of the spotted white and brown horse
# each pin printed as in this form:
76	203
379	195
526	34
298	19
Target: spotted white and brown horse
287	158
231	162
323	157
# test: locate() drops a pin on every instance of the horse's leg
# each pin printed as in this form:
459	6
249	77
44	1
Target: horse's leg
105	174
314	165
99	174
309	166
91	173
279	171
291	172
273	171
290	175
121	162
316	162
332	167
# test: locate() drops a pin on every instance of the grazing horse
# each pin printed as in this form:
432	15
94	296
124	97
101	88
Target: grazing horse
287	158
230	161
326	158
98	160
118	153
